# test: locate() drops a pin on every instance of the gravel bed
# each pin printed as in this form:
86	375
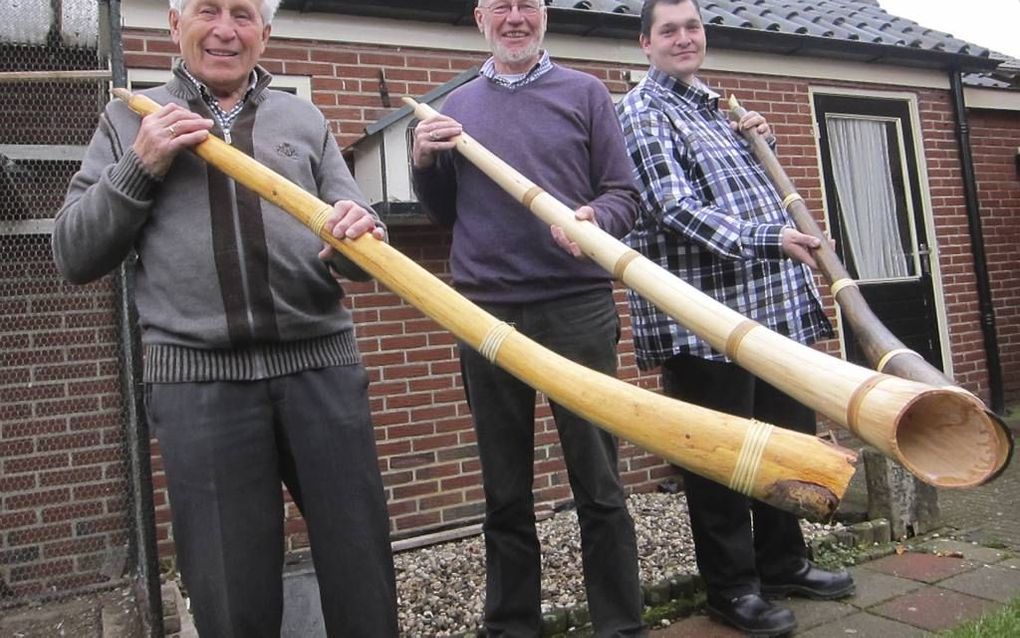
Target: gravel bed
441	588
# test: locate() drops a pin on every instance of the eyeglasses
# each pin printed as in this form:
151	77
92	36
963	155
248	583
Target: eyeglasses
502	9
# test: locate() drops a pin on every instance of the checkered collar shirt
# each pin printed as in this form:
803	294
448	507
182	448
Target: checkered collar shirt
709	215
224	118
543	66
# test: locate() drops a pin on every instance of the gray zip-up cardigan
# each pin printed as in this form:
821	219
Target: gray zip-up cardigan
228	287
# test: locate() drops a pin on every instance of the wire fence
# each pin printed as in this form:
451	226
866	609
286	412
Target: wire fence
68	475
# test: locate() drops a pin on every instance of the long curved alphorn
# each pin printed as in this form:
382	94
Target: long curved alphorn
795	472
941	435
883	350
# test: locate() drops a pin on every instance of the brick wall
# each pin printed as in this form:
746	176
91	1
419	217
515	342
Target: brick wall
64	520
956	259
995	137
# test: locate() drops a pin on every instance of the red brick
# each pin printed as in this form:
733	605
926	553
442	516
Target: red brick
35	463
35	535
71	512
41	570
35	499
73	476
18	483
14	520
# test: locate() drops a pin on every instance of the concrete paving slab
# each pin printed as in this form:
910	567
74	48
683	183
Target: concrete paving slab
991	582
302	611
812	613
874	587
934	608
926	568
700	626
967	551
863	625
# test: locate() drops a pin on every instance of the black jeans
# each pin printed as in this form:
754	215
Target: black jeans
585	329
730	556
226	447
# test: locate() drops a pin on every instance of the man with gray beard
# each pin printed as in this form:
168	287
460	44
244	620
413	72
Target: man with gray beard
558	127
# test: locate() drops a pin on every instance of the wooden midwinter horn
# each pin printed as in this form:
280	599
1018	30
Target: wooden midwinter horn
795	472
884	351
941	435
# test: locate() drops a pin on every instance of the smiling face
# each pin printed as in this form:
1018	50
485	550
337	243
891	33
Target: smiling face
514	32
221	41
676	42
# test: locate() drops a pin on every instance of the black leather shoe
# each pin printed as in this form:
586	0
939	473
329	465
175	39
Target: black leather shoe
810	582
753	614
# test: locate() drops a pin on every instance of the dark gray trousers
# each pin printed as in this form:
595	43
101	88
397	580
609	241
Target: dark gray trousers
731	556
585	329
226	447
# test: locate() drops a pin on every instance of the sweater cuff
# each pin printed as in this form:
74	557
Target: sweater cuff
129	176
763	241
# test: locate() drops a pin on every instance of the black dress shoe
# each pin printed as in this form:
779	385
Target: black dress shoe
809	582
753	614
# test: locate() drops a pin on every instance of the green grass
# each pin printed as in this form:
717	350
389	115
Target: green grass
1001	622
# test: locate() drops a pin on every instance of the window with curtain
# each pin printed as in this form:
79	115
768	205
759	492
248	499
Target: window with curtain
866	170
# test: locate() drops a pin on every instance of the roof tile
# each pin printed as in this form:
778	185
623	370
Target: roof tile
855	20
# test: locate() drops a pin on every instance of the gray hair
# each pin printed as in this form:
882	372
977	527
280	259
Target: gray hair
269	8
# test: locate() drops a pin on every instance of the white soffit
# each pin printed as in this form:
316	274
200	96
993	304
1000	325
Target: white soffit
996	99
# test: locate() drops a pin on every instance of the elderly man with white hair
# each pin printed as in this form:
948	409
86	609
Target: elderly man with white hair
251	369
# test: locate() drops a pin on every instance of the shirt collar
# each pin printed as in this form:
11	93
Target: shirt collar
543	65
696	93
207	95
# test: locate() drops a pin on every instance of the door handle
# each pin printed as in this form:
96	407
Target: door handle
924	256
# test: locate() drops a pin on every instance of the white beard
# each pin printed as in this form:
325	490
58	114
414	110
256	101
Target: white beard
506	56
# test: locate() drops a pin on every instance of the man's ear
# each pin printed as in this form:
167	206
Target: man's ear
265	37
478	20
645	42
175	26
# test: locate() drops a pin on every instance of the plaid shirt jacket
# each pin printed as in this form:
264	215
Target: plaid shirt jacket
709	215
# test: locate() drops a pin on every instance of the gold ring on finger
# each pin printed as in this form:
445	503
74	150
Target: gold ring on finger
432	136
171	130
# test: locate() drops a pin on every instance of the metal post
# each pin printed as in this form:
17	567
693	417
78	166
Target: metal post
136	428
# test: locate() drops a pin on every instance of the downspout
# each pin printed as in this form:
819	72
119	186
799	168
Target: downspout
977	244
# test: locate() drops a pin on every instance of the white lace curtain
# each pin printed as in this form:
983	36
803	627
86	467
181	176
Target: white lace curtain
860	164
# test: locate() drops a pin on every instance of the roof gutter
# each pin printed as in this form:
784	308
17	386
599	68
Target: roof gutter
977	245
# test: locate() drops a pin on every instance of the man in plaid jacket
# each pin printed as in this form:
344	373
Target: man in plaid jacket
710	216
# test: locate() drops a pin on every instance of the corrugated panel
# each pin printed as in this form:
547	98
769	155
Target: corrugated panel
29	22
80	23
26	22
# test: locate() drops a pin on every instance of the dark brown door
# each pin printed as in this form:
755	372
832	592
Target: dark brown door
873	194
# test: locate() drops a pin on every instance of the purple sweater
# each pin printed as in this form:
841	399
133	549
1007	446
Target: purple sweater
561	132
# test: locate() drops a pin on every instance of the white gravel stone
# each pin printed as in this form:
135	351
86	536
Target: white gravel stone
441	588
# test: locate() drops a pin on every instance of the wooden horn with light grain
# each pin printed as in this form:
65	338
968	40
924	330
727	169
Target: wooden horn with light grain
795	472
883	350
942	435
